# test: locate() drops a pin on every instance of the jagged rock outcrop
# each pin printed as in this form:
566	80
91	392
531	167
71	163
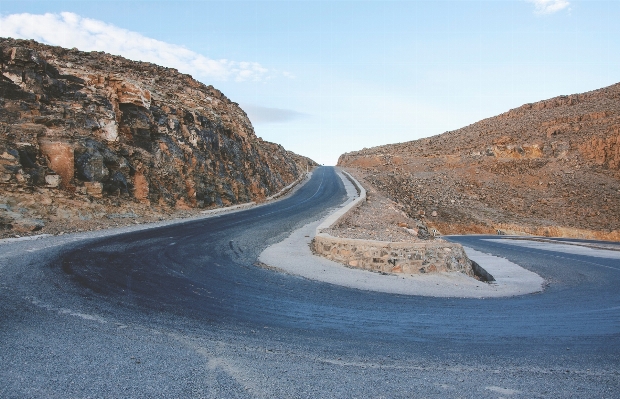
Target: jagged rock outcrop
548	168
99	127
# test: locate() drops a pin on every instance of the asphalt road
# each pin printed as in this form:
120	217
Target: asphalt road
182	311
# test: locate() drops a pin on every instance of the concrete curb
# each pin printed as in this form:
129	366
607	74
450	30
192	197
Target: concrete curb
252	204
339	214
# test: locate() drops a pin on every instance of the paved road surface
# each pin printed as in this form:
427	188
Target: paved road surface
182	311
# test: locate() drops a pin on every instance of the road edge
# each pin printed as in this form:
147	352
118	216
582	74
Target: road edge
286	192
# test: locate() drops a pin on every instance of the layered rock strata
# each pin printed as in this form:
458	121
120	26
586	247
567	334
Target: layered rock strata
93	128
550	168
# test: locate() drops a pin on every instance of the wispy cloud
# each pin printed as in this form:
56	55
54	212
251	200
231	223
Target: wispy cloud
548	6
71	30
258	114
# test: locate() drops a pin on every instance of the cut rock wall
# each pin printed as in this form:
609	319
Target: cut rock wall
96	127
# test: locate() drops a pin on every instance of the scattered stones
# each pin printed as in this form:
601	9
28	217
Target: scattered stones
94	189
27	225
378	218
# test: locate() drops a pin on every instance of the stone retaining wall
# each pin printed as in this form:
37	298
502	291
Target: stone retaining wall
394	257
388	257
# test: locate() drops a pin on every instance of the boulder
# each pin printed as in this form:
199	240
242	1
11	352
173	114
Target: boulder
90	166
94	189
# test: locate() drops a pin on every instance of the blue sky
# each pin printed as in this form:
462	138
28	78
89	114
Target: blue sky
323	78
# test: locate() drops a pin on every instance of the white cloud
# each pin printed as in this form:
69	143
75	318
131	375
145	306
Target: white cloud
258	114
548	6
71	30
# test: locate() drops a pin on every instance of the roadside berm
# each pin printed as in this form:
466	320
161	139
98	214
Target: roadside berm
371	233
296	255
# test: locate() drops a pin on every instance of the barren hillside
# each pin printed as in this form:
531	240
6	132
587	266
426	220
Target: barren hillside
548	168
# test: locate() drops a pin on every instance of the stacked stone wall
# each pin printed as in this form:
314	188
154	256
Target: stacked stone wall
394	257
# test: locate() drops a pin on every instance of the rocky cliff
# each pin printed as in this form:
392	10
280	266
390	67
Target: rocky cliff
548	168
83	135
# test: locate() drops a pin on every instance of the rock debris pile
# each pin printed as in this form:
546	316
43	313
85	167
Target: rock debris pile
377	235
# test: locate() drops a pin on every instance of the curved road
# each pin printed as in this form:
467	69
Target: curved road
183	311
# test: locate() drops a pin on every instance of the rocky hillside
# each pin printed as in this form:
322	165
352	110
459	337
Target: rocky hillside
548	168
85	135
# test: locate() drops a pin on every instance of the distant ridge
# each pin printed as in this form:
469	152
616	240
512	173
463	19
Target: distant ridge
546	168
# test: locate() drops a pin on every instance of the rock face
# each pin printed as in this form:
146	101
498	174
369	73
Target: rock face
98	127
549	168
